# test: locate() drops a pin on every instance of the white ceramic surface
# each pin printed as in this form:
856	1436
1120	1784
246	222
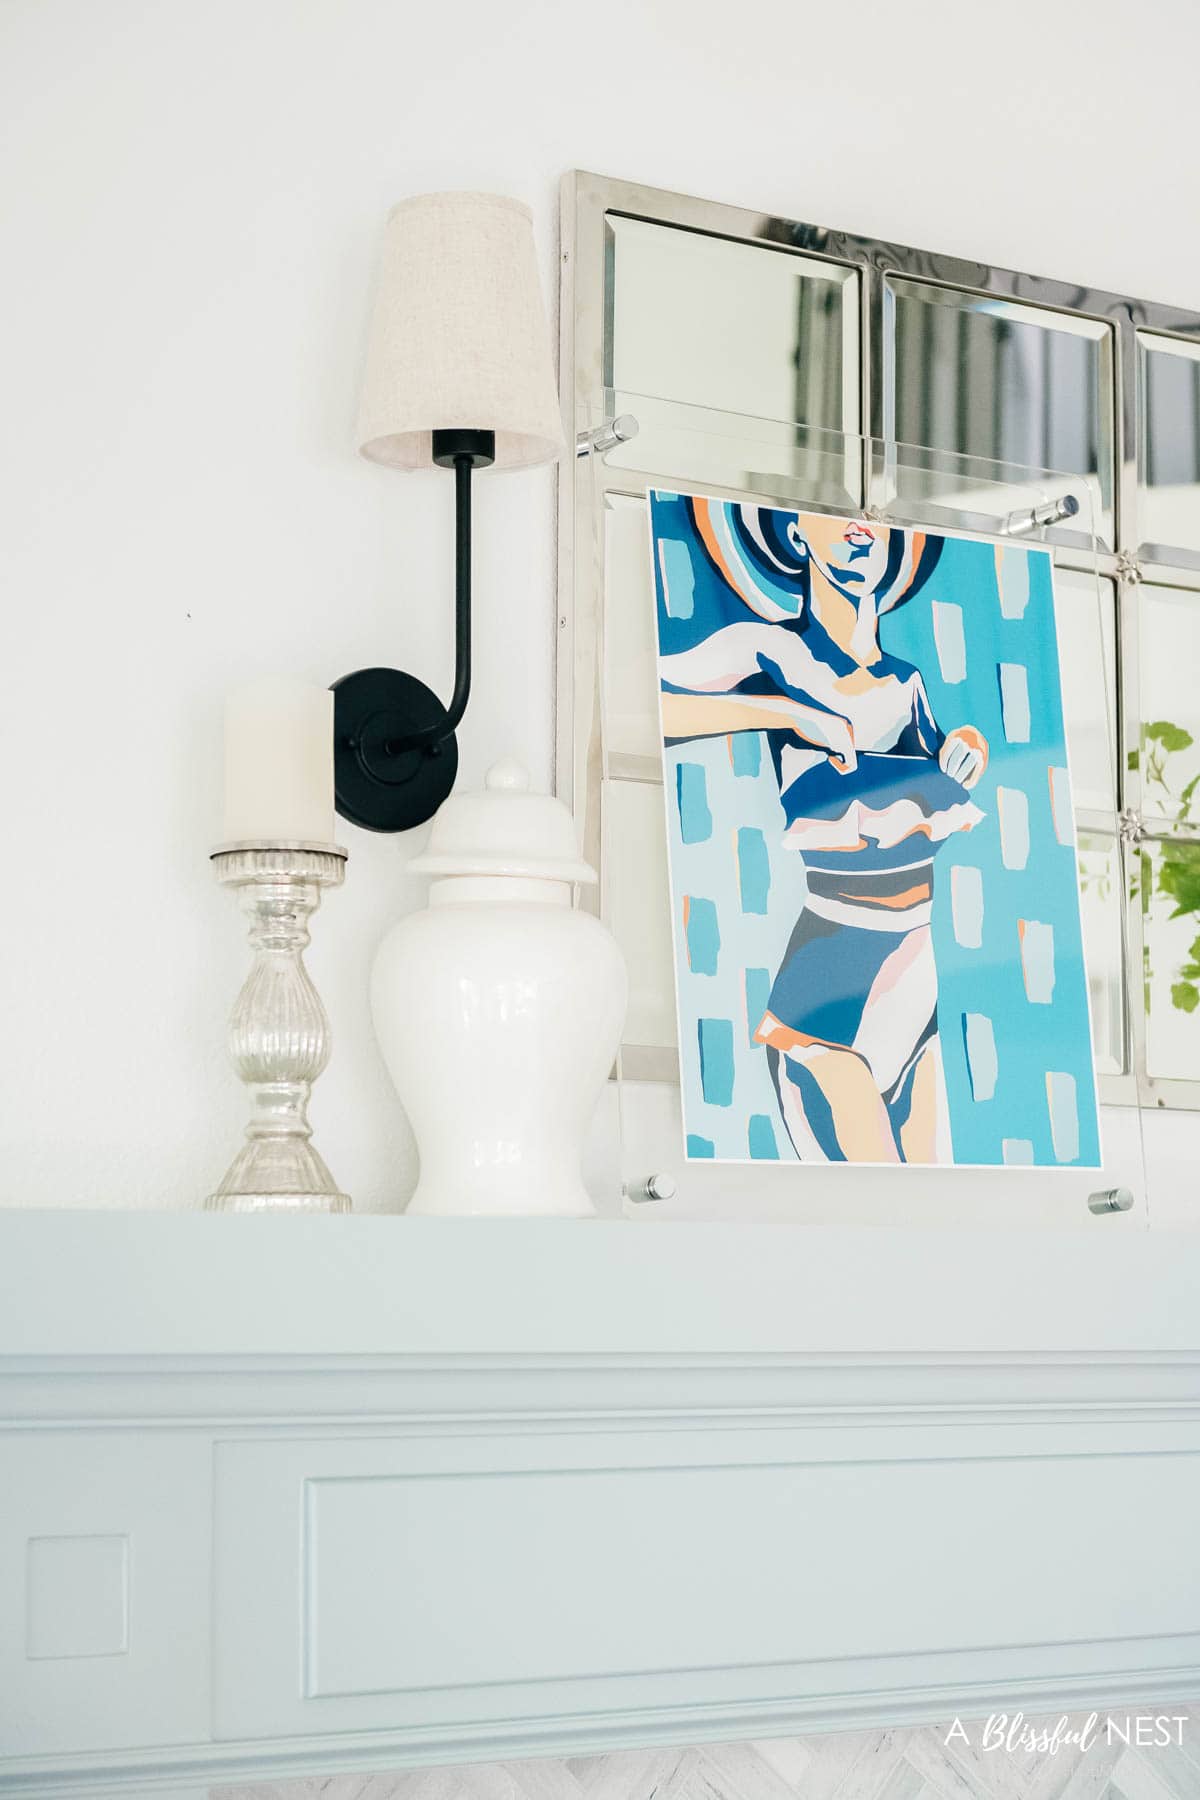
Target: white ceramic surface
499	1008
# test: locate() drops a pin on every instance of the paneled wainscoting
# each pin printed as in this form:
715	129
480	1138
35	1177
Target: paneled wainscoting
284	1497
848	1765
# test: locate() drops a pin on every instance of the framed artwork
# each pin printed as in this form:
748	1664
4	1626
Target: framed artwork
874	890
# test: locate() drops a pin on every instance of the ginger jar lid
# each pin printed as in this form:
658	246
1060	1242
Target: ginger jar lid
505	830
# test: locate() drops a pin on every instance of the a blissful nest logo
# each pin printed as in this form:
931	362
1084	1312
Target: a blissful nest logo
1013	1732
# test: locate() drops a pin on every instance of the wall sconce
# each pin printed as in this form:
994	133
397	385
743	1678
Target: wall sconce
459	375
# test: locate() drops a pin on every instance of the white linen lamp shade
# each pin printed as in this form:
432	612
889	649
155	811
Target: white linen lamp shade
459	338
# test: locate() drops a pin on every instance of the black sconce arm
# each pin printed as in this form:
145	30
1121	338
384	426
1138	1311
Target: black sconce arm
395	756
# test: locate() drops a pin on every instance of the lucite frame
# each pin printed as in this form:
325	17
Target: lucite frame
1132	333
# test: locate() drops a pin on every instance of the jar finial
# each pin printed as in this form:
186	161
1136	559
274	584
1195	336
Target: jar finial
508	776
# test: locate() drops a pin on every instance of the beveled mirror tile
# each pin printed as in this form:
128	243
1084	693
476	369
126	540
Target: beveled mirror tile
1100	899
1169	894
743	328
1085	613
630	726
1169	657
638	907
1169	449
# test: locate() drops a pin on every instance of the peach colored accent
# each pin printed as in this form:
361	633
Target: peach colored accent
919	1133
916	551
974	740
709	539
1054	818
909	897
859	681
860	1119
781	1037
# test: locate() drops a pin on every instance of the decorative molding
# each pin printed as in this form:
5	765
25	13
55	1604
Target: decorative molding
837	1766
280	1760
342	1392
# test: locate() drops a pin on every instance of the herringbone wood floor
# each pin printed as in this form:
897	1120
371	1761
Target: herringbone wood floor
861	1765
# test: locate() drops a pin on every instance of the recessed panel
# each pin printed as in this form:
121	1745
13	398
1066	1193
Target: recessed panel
1019	386
1169	449
476	1579
740	327
76	1596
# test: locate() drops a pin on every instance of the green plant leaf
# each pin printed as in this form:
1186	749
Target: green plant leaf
1185	996
1132	760
1171	737
1179	875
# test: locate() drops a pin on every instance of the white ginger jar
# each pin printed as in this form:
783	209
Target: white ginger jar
499	1007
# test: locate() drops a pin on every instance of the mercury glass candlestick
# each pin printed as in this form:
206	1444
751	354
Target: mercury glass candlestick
279	1030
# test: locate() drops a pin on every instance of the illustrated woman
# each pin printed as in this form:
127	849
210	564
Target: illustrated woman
870	788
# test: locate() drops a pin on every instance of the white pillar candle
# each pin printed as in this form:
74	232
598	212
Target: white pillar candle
279	763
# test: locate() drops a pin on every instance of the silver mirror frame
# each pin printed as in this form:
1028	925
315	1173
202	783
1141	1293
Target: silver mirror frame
586	200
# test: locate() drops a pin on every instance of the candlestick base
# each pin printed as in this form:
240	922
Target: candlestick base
279	1030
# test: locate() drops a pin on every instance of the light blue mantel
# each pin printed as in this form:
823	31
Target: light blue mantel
298	1496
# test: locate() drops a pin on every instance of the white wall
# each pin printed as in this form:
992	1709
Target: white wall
192	198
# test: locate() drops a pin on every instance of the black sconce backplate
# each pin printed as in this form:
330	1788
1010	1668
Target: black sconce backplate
381	785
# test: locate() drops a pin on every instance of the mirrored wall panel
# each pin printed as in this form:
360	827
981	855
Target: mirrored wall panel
631	737
739	328
809	367
1100	896
1086	614
1169	753
1001	380
638	910
1169	894
1169	449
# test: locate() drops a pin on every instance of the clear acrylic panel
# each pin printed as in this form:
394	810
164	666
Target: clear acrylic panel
703	450
986	377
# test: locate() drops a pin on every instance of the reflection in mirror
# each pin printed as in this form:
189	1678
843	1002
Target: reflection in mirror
1100	907
630	732
1169	893
1169	449
1169	656
1085	613
1002	380
737	327
637	907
